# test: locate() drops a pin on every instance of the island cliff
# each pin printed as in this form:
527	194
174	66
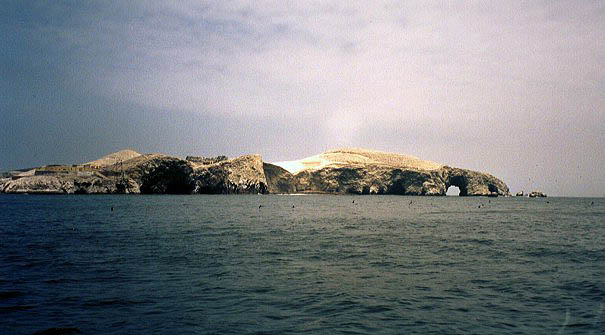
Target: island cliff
360	171
344	171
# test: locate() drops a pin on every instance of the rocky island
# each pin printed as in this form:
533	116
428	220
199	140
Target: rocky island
342	171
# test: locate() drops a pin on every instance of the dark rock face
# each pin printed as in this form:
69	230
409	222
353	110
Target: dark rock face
279	180
537	194
167	176
241	175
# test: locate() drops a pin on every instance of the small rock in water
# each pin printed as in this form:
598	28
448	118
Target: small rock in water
537	194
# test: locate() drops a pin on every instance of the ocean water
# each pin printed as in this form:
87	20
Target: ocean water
312	264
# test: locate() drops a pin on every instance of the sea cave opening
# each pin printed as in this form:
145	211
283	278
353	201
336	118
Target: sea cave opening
459	183
453	191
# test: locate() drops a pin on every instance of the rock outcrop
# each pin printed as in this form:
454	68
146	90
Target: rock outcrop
154	173
536	194
360	171
279	180
344	171
473	182
166	175
157	173
58	184
369	180
241	175
206	160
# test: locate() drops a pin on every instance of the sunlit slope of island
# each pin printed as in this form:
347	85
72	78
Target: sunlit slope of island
362	171
342	171
351	157
114	158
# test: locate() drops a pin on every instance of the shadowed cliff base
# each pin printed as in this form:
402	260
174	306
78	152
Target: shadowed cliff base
343	171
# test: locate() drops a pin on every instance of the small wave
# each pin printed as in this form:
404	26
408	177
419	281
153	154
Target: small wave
273	253
505	325
478	241
10	294
70	299
422	288
355	255
383	264
458	292
261	290
219	274
58	280
331	309
573	255
59	331
112	302
428	307
377	309
588	289
27	265
578	325
16	308
276	317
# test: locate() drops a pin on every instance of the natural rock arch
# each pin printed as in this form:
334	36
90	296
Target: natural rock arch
459	181
473	183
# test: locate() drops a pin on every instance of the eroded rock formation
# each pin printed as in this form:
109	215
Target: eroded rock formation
368	180
536	194
360	171
241	175
60	184
167	175
279	180
473	182
345	171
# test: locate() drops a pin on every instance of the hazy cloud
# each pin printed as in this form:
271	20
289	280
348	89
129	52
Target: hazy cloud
512	87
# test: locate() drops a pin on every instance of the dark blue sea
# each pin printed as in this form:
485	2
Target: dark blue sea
317	264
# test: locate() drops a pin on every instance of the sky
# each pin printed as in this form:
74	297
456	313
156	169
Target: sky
512	88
